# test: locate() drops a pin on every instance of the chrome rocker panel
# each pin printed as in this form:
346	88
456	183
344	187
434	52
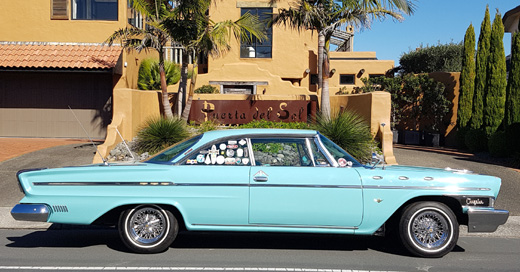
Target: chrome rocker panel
31	212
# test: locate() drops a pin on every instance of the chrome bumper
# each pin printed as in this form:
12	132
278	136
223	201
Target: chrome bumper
486	219
30	212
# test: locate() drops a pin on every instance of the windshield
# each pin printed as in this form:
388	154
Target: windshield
340	155
169	154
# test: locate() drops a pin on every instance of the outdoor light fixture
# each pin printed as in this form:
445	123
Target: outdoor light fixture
307	71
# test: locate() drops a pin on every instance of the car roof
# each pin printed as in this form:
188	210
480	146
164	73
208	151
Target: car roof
215	134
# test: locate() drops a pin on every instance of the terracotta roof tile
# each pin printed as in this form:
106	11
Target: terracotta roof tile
55	55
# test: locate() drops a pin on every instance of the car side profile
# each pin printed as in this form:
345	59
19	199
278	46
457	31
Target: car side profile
269	180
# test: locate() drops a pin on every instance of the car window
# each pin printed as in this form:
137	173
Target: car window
281	152
319	158
225	152
169	154
341	156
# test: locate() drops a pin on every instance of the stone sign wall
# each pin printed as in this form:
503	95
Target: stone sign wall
244	111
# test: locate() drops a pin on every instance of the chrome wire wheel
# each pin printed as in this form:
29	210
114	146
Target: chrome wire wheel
148	228
147	225
429	229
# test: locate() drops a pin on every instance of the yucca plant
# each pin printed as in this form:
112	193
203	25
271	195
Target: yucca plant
350	131
159	133
149	77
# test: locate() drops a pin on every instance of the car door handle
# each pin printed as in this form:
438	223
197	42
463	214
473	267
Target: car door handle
260	179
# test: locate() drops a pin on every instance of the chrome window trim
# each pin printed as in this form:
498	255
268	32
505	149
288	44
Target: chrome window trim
308	144
252	161
328	156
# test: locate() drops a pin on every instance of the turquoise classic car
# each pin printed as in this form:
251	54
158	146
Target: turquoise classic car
268	180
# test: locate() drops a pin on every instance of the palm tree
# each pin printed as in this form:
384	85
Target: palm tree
153	36
325	16
190	25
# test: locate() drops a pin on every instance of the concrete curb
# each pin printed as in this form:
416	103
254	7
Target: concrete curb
510	230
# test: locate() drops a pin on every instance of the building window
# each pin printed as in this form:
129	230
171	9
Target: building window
255	48
346	79
314	79
94	10
375	75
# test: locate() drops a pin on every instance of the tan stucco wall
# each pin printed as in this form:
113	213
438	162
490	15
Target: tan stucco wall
353	63
29	20
131	109
293	52
451	82
374	107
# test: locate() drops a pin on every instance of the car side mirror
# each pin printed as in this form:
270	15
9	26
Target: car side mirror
377	159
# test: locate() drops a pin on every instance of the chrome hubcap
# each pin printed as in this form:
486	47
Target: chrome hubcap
430	230
147	225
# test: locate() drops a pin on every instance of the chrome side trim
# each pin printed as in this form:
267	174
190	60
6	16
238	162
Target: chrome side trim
308	186
435	188
30	212
158	183
279	226
213	184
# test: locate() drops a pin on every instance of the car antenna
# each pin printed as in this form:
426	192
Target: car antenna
126	145
103	159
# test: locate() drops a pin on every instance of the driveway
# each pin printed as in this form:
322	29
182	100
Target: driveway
508	196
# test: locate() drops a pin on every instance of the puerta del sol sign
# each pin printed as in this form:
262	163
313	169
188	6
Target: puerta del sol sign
245	111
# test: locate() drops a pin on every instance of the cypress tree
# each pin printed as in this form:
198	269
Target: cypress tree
513	84
496	82
481	72
467	79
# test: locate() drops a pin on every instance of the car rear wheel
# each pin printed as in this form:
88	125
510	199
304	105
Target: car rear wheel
428	229
148	228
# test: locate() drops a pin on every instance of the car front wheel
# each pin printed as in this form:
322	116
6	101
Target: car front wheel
147	228
428	229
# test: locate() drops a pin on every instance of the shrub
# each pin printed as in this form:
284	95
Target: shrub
159	133
206	89
350	131
513	84
271	124
477	116
205	126
476	140
436	58
495	99
149	77
467	79
512	136
498	146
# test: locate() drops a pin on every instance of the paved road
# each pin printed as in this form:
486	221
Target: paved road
101	249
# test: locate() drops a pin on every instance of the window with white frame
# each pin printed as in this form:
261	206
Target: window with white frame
103	10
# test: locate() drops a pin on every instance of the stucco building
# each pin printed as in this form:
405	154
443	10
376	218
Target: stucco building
52	57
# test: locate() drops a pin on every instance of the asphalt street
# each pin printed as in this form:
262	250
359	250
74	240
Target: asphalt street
84	250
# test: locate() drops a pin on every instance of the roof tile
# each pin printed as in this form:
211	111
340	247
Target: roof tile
55	55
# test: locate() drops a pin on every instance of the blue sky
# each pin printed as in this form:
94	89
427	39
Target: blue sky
433	21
